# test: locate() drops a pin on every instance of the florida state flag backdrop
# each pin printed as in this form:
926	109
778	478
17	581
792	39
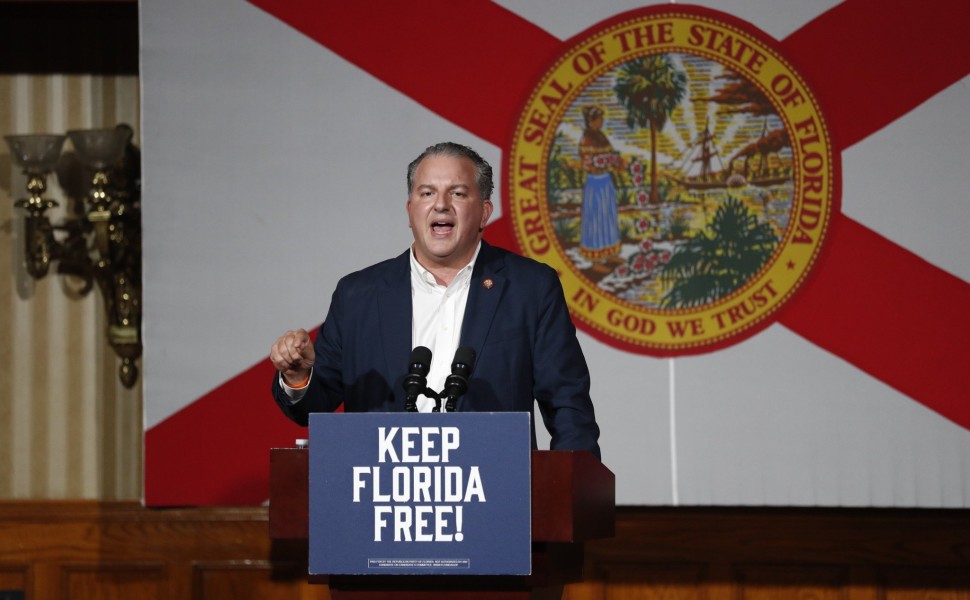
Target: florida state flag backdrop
757	209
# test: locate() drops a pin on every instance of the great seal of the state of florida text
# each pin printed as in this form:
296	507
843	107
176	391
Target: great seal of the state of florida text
677	171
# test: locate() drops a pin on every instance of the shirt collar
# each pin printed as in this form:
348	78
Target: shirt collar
423	277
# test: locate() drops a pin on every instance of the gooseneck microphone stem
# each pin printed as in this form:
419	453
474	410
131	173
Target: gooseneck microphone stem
416	382
456	384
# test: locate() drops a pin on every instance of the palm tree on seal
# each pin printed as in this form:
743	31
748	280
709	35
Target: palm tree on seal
650	88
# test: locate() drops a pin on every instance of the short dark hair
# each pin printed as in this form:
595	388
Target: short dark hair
483	170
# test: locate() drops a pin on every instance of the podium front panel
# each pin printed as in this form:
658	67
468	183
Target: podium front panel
420	494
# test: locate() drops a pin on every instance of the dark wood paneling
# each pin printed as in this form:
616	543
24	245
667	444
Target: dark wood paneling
53	550
780	581
122	550
645	580
924	583
249	580
13	577
118	581
777	553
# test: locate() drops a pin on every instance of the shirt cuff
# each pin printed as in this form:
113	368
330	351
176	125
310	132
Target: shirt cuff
294	394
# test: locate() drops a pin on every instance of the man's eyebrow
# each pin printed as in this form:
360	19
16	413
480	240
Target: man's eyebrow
450	187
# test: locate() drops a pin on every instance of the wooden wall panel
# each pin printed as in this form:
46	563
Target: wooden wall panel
56	550
911	583
250	580
117	581
779	553
13	577
653	581
794	582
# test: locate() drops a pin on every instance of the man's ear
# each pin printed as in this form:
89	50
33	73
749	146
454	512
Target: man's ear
487	213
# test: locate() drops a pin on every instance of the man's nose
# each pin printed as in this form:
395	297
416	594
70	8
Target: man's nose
442	202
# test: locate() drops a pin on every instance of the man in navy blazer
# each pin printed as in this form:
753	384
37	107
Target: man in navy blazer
510	311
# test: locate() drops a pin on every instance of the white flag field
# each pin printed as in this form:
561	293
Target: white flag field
276	135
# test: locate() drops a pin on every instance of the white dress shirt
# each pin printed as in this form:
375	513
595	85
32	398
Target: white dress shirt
437	313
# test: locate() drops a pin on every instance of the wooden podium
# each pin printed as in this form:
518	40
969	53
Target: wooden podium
573	500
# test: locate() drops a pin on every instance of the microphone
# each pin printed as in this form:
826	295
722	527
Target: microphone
457	383
416	380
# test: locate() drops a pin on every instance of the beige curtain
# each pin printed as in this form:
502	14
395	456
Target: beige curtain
68	428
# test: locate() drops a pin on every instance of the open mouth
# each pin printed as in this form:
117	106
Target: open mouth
442	227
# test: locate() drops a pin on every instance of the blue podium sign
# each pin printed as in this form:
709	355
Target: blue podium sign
420	494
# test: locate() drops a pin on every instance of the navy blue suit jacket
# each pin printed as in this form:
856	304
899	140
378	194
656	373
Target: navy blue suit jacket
516	321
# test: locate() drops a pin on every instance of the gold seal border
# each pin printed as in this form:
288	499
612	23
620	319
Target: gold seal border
616	318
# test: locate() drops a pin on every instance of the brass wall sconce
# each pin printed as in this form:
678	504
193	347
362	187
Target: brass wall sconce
100	243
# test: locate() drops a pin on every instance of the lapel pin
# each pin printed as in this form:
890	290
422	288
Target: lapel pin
487	283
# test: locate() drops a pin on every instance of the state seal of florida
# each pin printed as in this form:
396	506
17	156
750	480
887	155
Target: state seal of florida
677	171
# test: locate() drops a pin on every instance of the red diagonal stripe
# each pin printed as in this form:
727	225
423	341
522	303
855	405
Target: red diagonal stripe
216	450
471	62
873	303
871	61
891	314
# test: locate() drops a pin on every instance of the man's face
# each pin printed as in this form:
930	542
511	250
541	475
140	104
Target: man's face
446	212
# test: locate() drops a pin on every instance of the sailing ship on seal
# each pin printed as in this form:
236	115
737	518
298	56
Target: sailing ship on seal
757	163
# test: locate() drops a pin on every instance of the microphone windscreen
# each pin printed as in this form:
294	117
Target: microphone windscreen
420	361
464	360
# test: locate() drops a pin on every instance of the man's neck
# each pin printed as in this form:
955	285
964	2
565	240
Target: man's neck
444	273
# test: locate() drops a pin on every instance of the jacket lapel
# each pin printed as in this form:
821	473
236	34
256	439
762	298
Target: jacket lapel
486	290
394	318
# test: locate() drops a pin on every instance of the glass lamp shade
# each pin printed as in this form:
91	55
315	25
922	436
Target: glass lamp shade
36	153
100	148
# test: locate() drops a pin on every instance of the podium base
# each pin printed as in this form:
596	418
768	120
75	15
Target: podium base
572	501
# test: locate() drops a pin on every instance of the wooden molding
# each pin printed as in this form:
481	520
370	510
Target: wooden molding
81	550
